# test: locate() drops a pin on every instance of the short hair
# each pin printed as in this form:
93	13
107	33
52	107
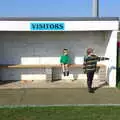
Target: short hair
89	50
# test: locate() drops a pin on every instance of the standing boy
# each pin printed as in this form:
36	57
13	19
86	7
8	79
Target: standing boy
65	62
90	65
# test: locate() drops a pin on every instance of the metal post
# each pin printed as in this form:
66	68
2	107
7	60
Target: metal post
95	7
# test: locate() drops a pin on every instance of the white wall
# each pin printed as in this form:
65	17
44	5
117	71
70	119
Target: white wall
111	52
18	47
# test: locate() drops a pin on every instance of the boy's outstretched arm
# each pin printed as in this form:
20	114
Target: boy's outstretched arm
100	58
103	58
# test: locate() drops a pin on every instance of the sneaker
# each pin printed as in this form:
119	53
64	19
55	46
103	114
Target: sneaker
67	73
90	90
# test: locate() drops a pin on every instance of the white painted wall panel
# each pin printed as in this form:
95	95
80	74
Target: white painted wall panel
46	47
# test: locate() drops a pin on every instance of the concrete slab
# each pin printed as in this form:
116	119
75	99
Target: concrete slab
59	96
48	84
10	97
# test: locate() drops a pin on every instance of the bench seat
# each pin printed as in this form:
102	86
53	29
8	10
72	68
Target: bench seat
48	72
42	66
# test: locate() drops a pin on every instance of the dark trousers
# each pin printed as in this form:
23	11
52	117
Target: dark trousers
90	76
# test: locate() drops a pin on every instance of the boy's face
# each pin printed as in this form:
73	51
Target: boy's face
65	52
90	51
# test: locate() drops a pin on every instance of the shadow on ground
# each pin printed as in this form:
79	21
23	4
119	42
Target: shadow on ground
100	86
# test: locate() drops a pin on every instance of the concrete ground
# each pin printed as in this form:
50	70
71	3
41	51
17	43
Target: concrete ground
49	84
58	92
50	96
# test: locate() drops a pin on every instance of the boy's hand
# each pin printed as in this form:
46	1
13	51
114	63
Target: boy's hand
83	67
107	58
104	58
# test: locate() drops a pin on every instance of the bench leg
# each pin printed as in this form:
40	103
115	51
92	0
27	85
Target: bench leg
48	74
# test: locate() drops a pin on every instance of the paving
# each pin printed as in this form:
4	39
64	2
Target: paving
51	96
58	92
49	84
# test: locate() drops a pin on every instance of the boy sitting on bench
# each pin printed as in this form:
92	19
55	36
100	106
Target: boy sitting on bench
65	62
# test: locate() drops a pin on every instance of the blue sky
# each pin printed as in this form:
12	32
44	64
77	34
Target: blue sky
57	8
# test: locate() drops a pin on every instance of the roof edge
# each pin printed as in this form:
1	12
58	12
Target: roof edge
59	18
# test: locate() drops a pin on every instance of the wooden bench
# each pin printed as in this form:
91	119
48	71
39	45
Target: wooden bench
50	69
43	66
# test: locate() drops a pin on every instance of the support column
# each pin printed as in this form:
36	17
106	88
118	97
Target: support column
48	72
111	52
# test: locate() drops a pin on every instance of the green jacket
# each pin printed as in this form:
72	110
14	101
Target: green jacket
65	59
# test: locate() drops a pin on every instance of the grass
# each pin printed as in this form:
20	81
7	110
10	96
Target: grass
118	85
61	113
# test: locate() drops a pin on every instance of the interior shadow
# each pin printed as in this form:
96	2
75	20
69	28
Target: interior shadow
7	82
